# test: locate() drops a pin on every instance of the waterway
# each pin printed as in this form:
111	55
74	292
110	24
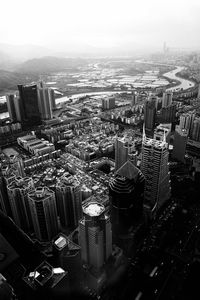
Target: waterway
183	85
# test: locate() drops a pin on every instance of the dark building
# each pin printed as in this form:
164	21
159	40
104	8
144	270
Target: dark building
68	256
180	142
95	235
150	115
123	149
4	200
46	282
19	241
168	114
30	104
43	209
126	200
6	290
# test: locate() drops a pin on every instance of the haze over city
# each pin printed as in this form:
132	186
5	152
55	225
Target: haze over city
89	26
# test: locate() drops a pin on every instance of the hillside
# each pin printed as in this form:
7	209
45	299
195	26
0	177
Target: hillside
10	80
48	64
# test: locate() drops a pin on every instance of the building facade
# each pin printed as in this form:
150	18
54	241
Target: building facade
42	204
18	191
69	201
156	171
95	235
180	142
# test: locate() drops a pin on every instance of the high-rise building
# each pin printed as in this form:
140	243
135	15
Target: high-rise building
42	204
195	133
167	99
18	191
68	256
14	108
45	103
30	104
69	201
15	163
6	177
108	103
95	235
126	199
134	99
52	98
180	142
168	114
161	130
11	106
123	148
156	172
186	121
150	109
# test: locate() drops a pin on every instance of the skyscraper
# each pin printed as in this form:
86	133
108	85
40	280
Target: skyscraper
168	114
10	99
161	130
14	108
30	104
123	147
195	133
18	191
44	213
150	114
126	199
134	99
52	98
45	103
108	103
69	201
68	256
167	99
186	121
156	172
180	141
95	235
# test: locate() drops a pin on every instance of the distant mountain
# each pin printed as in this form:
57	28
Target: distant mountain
10	80
21	53
49	64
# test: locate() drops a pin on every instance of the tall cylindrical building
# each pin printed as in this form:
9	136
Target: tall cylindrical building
95	235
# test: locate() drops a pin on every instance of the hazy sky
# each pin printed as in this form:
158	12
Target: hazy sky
102	23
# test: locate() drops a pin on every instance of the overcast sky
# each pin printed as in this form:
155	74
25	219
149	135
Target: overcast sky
102	23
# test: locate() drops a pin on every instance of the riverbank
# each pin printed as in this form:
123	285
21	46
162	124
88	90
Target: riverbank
182	84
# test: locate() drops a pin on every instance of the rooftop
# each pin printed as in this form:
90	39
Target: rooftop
128	170
93	209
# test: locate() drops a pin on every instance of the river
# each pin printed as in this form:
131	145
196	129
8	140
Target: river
184	84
